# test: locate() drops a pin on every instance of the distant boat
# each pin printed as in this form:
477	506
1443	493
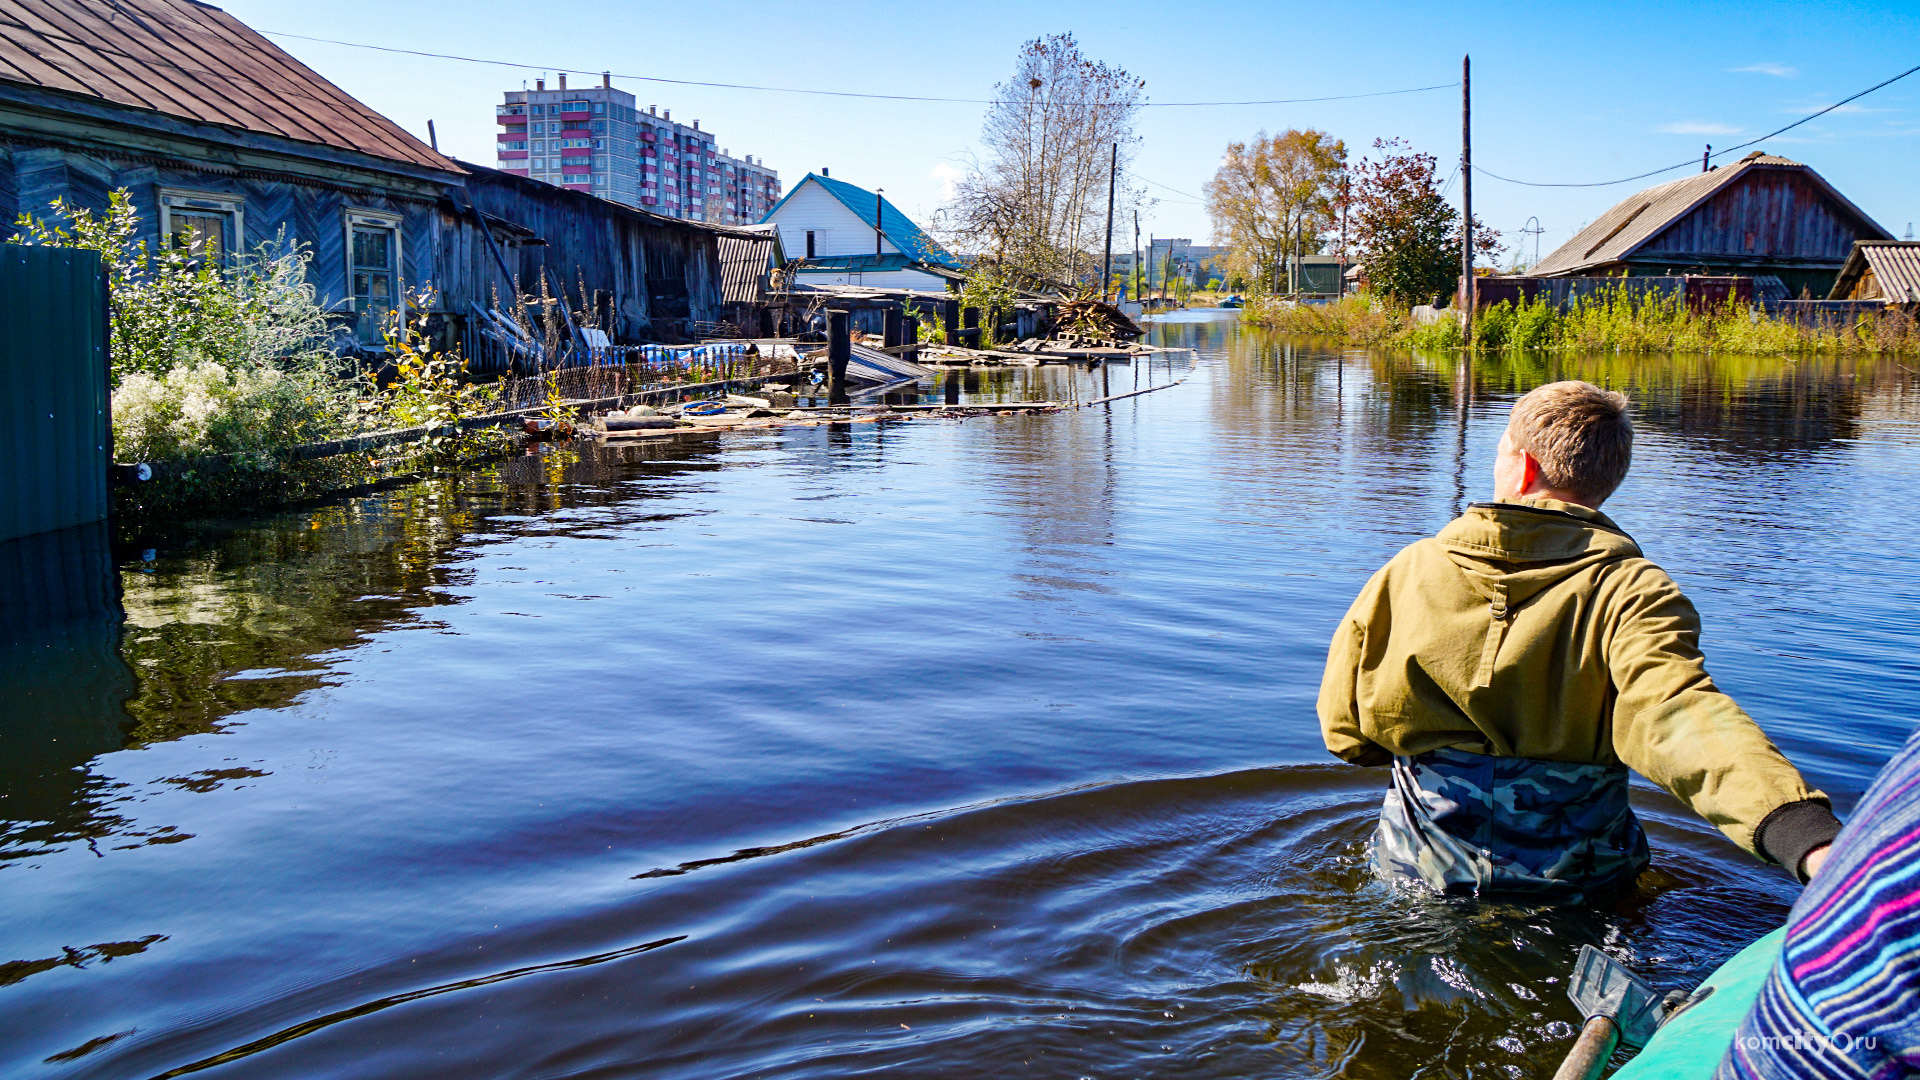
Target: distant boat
1232	302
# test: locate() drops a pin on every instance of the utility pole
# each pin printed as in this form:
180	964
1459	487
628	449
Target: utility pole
1345	197
1467	290
1136	255
877	232
1106	267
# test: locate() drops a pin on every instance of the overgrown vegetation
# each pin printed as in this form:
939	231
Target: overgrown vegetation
210	355
1610	322
223	362
989	290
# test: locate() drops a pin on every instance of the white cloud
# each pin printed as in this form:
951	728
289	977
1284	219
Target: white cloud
948	177
1695	128
1778	71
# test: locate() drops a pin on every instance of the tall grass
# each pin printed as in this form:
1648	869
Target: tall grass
1615	322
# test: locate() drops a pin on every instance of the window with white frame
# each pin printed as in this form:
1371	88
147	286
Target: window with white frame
373	270
202	223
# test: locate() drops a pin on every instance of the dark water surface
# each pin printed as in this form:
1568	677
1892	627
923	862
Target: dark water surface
939	748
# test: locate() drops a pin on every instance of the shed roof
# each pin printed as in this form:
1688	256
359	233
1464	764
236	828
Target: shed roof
1639	218
194	61
899	229
1895	265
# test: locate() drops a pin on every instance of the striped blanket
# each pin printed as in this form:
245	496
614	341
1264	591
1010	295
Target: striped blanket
1844	998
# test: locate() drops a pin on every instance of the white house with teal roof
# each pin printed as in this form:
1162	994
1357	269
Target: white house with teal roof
829	225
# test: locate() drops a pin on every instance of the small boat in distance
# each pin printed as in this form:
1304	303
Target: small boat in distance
1232	302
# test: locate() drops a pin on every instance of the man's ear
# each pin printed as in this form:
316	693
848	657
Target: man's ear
1529	473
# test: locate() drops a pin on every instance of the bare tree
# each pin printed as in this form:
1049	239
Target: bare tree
1274	197
1036	206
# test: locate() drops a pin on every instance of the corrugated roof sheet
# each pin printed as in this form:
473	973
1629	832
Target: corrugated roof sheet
898	228
1639	218
193	61
744	262
1896	267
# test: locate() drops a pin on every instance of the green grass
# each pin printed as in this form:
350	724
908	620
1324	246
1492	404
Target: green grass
1609	322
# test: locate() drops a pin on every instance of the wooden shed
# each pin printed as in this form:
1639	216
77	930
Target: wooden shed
1761	215
1883	270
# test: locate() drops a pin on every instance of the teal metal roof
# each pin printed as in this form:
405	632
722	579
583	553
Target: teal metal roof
892	260
899	229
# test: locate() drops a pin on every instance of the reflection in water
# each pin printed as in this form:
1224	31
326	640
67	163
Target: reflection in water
953	746
63	685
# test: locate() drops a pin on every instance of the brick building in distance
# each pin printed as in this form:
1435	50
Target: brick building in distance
594	140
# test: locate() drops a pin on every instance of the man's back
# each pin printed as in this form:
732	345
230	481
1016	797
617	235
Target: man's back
1514	666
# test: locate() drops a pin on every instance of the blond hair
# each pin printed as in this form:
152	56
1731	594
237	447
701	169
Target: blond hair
1580	435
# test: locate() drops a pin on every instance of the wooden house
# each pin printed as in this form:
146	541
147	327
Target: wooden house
846	235
1884	270
1761	215
224	140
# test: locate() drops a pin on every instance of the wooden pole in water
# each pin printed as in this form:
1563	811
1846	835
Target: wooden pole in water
1106	266
839	351
1468	291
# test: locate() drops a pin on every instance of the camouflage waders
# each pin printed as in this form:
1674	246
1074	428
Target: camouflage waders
1475	824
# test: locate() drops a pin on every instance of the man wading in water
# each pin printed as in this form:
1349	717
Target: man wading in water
1513	667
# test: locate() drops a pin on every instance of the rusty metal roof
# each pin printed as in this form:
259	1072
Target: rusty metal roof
1639	218
1896	270
194	61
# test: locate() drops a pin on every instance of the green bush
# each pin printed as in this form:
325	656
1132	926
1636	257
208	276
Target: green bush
211	355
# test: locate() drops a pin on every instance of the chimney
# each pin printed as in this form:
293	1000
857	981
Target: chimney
606	80
823	170
653	110
563	80
696	125
539	84
668	115
1706	157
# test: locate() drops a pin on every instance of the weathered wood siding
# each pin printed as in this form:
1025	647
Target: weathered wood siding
1768	213
311	212
662	275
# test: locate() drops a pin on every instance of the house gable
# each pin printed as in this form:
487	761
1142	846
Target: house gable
811	208
1766	213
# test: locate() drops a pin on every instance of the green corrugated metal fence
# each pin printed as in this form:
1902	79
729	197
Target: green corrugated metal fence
55	438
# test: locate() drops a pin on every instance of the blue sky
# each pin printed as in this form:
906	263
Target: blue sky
1562	92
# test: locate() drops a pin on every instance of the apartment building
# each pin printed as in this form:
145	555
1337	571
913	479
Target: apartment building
596	140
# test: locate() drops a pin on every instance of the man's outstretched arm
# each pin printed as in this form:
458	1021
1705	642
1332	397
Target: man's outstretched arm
1675	727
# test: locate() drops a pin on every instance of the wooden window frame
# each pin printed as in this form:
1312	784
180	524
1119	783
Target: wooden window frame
380	219
187	200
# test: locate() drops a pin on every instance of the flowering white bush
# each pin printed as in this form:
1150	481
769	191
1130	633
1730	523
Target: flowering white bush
201	408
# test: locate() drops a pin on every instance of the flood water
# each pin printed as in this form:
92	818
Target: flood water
948	747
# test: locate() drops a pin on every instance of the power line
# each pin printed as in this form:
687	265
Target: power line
825	93
1717	153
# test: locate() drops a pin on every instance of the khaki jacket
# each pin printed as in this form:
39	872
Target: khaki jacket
1538	630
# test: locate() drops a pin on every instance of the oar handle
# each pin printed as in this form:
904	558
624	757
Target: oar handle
1590	1052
